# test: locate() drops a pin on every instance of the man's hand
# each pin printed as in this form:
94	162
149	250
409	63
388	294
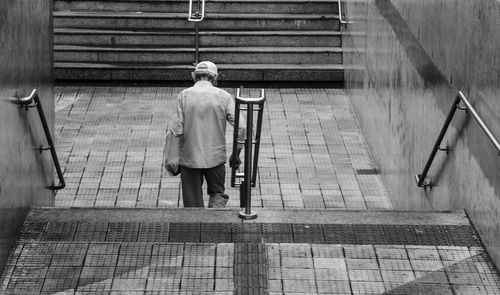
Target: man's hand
234	160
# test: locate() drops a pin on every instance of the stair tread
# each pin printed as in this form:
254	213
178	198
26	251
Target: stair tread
232	1
216	32
99	14
220	66
302	216
204	49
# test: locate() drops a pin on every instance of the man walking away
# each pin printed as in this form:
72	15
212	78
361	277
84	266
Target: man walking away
203	111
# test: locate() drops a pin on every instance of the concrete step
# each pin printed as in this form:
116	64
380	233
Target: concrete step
213	21
170	6
248	55
227	72
199	251
180	38
264	216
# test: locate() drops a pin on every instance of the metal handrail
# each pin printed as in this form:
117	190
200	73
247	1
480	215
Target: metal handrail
421	179
250	164
341	15
197	17
27	102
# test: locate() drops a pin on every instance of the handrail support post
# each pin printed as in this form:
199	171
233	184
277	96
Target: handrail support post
197	43
251	153
197	17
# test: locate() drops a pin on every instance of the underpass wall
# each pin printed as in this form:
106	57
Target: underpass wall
415	56
25	63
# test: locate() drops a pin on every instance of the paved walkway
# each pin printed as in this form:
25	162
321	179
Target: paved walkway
313	158
313	154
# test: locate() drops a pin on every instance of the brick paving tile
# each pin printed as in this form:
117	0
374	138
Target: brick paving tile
400	276
365	275
362	263
331	263
432	277
334	287
367	287
391	252
423	252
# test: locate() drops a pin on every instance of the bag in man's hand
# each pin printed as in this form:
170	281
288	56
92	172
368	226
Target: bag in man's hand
171	153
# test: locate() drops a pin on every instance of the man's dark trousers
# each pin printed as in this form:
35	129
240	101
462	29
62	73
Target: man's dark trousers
192	181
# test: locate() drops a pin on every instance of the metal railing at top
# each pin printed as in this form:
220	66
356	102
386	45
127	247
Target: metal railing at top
421	179
342	19
32	101
197	16
250	163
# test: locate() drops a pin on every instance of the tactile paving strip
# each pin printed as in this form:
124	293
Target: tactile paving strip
250	268
399	234
247	233
361	234
308	233
32	231
154	232
91	231
369	234
462	235
339	234
216	233
277	233
122	232
59	231
431	235
184	232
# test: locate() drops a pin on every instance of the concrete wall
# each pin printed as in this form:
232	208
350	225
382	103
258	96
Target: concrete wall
417	55
25	63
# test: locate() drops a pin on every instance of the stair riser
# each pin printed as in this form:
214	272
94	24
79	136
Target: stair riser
274	58
183	6
208	24
188	57
354	41
189	40
185	75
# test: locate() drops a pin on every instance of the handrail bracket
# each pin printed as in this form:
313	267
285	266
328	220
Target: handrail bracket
41	148
425	183
446	149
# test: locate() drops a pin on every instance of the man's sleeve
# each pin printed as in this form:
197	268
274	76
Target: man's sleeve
177	123
242	123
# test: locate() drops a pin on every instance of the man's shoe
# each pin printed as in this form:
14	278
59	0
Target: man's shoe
217	202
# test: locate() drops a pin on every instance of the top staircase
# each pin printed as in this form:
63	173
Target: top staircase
250	40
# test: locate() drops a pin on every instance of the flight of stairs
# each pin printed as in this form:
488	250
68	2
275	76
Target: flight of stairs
250	40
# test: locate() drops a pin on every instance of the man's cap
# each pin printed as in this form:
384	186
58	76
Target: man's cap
206	67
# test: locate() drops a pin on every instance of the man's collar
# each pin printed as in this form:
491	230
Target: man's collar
203	83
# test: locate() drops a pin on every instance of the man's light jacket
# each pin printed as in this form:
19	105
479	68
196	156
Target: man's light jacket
202	115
